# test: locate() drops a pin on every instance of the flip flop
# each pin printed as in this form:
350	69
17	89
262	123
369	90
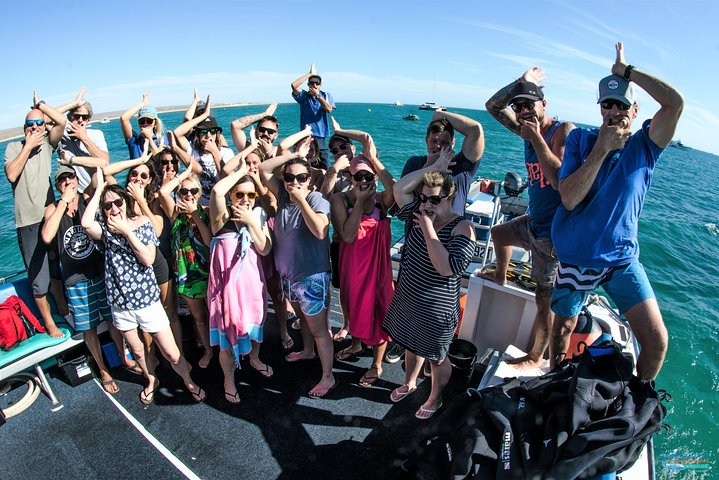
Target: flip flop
322	392
266	372
198	396
233	399
288	344
297	357
107	383
345	354
368	380
426	413
296	324
134	368
397	396
147	399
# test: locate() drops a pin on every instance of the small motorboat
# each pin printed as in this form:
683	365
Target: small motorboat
412	117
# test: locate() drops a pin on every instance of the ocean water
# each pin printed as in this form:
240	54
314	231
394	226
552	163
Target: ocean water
678	235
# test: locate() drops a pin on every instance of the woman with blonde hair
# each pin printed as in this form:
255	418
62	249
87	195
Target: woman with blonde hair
151	128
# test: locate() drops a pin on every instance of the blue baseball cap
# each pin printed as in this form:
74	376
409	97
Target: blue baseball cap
148	111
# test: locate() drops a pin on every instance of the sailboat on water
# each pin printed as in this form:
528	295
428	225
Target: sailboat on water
433	105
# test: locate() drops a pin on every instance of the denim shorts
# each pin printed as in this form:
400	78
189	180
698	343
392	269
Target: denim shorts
627	286
311	293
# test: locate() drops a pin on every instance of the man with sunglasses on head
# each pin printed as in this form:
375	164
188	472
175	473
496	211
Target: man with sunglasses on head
27	167
522	109
603	182
315	105
81	141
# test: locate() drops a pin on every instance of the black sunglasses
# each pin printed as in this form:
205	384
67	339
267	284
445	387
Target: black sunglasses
145	121
300	177
269	131
517	107
185	191
343	147
249	195
167	162
205	131
433	199
314	82
80	116
608	104
366	176
107	206
66	176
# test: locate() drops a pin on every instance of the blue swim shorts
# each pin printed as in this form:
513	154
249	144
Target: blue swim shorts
311	293
626	285
87	302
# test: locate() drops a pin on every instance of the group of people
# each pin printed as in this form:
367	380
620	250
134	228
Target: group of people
228	232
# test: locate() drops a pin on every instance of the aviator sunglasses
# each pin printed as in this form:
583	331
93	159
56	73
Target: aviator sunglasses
518	107
300	177
249	195
185	191
366	176
608	104
343	147
107	206
39	122
433	199
268	131
143	175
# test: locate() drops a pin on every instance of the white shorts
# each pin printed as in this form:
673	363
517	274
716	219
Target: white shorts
151	319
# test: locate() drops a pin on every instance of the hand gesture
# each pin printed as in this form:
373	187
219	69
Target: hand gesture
342	163
335	125
206	113
145	98
35	100
445	160
34	139
271	108
253	138
312	69
304	149
365	195
195	98
264	144
118	225
145	153
423	221
534	75
147	131
620	65
62	157
136	191
613	136
77	131
99	180
187	206
529	128
211	147
241	214
69	194
297	192
79	99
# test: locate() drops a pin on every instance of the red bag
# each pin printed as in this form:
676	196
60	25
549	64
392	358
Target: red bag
17	323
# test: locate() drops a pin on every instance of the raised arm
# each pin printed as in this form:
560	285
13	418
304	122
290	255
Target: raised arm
473	144
58	119
76	102
67	158
117	167
88	221
386	197
302	79
126	117
182	131
237	127
364	138
190	113
664	123
406	186
15	165
288	142
498	105
166	201
268	167
239	159
218	205
549	156
54	213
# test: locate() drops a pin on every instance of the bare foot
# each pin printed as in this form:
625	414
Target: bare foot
491	274
205	360
323	388
525	363
54	332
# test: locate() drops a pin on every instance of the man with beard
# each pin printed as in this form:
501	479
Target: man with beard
544	140
603	181
315	105
266	130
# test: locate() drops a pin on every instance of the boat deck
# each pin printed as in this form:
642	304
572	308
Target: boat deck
277	431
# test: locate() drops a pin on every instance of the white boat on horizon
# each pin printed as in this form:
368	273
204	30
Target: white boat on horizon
432	106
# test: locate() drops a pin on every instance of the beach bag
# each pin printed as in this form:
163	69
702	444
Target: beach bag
17	323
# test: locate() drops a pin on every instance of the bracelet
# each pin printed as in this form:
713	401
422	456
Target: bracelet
628	72
37	105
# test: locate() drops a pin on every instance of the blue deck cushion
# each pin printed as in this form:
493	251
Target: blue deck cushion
31	345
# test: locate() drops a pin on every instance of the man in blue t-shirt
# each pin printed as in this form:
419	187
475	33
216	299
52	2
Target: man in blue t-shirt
315	104
522	109
603	181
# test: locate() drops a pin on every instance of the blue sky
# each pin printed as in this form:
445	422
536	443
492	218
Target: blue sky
371	51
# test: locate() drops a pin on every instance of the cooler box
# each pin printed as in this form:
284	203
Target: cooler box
77	370
481	213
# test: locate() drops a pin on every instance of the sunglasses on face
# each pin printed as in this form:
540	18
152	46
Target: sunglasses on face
300	177
165	163
143	175
39	122
366	176
608	104
193	191
107	206
145	121
344	147
80	116
249	195
66	176
313	82
205	131
433	199
518	107
268	131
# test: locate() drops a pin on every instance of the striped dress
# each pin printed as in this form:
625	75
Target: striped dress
424	312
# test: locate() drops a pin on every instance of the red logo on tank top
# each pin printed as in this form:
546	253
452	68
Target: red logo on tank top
534	172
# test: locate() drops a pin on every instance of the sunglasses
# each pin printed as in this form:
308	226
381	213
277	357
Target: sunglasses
66	176
80	116
433	199
205	131
608	104
39	122
164	163
518	107
269	131
314	82
343	147
143	175
366	176
185	191
107	206
145	121
249	195
300	177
